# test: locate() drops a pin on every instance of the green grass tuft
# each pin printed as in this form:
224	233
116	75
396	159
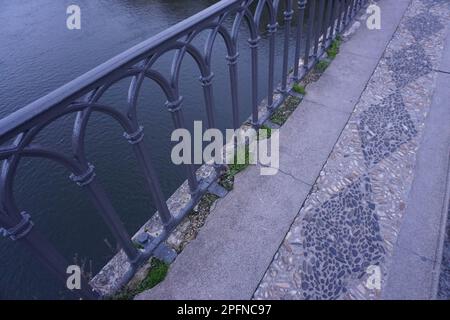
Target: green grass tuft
299	89
283	112
321	66
265	133
227	179
333	50
157	272
138	245
235	167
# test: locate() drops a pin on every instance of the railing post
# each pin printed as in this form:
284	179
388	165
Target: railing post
300	22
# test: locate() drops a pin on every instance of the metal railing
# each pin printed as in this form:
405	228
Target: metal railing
318	22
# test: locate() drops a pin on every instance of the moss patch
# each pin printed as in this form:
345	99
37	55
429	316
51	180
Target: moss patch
227	179
265	132
283	112
333	50
156	273
197	218
299	89
138	245
322	65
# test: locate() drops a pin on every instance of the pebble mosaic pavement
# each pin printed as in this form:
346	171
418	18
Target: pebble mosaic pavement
350	221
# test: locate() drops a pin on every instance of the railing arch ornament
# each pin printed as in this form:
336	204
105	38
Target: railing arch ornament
85	178
20	230
302	4
207	81
135	137
174	106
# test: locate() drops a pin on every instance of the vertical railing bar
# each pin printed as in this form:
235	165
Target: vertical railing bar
109	215
153	183
309	35
56	264
208	96
135	136
333	19
232	67
344	14
352	9
271	29
324	27
84	176
254	52
340	11
287	30
299	31
20	228
174	107
329	22
348	13
318	28
356	7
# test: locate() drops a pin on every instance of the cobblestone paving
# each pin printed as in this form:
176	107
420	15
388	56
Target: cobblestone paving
345	232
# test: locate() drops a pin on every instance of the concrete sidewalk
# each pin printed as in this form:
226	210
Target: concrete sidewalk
247	248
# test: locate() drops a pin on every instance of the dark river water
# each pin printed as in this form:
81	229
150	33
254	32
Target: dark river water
37	55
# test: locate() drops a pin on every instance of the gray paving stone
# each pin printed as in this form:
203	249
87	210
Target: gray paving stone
341	85
391	13
308	138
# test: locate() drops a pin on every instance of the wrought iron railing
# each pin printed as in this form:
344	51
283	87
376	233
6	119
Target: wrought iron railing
318	22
